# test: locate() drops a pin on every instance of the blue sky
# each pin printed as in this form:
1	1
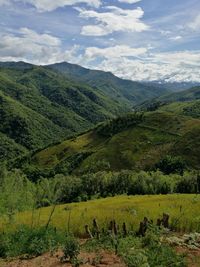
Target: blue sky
134	39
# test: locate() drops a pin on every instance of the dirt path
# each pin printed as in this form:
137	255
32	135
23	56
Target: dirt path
101	259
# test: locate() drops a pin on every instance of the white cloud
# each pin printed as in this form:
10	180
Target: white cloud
195	24
114	52
42	39
30	46
129	1
50	5
176	38
115	19
139	64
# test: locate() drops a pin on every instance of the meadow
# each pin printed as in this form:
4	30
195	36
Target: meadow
182	208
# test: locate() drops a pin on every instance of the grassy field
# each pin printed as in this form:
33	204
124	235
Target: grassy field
184	211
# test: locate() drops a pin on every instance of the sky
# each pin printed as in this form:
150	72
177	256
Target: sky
141	40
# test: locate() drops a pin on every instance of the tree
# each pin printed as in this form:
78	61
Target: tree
171	164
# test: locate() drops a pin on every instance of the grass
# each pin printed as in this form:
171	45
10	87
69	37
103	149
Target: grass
129	209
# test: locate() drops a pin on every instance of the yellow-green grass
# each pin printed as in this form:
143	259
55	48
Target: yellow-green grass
130	209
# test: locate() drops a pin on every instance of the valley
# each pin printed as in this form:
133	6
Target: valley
79	147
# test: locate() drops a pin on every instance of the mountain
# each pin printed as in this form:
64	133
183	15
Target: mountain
173	86
191	108
132	141
39	107
186	95
191	94
123	91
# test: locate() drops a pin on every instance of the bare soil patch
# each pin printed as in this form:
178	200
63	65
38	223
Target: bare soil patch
100	259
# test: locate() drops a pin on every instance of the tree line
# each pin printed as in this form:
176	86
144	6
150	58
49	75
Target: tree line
18	193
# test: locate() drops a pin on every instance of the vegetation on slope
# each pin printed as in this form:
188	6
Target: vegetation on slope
25	126
123	91
186	95
39	107
191	108
122	146
9	149
189	95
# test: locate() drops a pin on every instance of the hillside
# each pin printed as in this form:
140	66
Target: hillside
128	92
174	86
191	108
188	95
135	145
39	107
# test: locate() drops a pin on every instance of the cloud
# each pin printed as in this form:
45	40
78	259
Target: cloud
176	38
195	24
129	1
140	64
50	5
31	46
127	62
40	39
114	20
114	52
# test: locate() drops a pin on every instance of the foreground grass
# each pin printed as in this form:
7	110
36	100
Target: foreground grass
183	210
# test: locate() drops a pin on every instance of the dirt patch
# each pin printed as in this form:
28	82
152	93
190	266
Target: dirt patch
193	256
101	259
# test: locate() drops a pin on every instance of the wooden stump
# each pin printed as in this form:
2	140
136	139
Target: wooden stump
88	232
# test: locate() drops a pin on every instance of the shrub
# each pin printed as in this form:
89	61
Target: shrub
136	258
71	249
171	164
27	241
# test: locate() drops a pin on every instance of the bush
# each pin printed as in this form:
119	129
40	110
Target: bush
148	251
27	241
171	164
136	258
71	249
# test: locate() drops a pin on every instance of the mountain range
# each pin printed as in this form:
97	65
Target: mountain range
41	105
50	116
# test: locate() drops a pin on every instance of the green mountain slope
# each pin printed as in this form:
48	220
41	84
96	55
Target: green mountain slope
137	146
186	95
25	126
128	92
191	108
9	149
191	94
39	107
